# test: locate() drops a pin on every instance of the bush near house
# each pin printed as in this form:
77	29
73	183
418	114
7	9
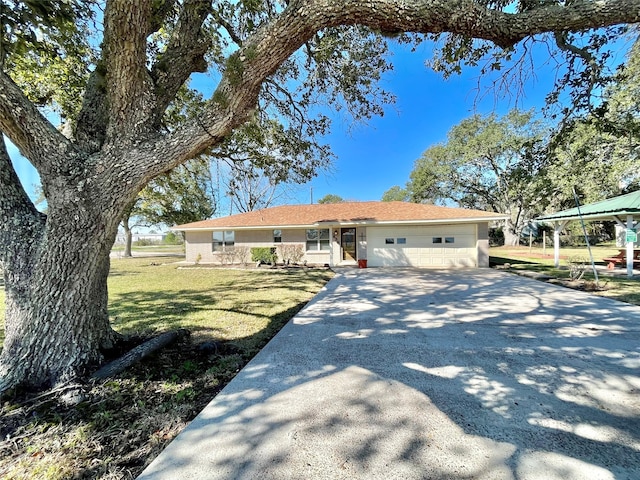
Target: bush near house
291	253
264	255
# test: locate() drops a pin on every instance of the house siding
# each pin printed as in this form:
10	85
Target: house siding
198	247
200	243
482	244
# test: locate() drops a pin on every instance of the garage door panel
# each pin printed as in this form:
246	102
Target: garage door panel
419	250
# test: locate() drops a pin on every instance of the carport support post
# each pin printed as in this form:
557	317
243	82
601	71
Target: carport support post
629	248
557	228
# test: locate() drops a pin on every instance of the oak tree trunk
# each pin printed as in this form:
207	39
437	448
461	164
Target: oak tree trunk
57	320
511	236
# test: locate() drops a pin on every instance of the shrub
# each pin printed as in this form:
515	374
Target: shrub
577	266
172	238
242	255
144	242
264	254
291	253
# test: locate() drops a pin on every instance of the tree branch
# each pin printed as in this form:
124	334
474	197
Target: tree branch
27	128
20	222
129	86
183	56
265	50
229	28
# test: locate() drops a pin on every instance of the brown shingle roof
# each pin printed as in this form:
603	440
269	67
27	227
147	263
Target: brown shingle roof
343	213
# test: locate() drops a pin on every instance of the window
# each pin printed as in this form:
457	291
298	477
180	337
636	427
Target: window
401	241
449	240
389	241
277	236
436	240
223	241
318	240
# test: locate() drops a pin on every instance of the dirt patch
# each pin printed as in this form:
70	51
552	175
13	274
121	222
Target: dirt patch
583	285
526	254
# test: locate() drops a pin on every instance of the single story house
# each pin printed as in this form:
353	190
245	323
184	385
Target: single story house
382	233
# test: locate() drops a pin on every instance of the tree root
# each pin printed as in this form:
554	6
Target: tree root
138	353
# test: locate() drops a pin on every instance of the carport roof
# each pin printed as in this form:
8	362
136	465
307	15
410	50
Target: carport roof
350	213
628	204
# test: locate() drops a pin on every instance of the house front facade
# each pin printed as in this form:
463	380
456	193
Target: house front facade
385	234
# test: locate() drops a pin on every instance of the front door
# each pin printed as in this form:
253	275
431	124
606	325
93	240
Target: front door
348	244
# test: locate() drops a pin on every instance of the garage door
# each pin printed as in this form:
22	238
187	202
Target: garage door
443	246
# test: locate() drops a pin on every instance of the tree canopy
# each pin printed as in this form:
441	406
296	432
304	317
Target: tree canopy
488	163
331	198
269	63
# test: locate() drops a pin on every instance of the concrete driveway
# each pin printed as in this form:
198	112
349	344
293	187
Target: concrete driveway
419	374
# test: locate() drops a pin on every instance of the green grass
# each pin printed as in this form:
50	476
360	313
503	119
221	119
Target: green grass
150	294
225	304
522	258
172	249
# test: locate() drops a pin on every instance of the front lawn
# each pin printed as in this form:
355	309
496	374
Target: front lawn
124	422
618	287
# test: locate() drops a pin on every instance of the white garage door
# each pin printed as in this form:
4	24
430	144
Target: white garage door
443	246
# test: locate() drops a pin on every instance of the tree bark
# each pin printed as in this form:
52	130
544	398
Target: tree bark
511	235
57	314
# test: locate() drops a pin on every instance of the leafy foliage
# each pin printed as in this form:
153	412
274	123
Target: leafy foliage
488	163
395	193
264	254
331	198
45	44
180	196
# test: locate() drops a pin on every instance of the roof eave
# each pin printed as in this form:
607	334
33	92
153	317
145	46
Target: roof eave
347	222
588	216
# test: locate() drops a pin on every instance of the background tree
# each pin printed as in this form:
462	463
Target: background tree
395	194
182	195
331	198
270	58
488	163
431	179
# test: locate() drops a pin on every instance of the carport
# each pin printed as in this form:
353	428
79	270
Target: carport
621	209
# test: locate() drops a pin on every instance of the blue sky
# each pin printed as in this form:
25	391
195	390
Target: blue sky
375	157
372	158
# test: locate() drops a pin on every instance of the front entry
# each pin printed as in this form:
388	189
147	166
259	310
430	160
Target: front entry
348	240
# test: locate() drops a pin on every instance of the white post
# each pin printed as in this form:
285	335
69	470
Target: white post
557	227
629	248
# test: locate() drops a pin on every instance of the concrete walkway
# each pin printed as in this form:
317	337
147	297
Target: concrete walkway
419	374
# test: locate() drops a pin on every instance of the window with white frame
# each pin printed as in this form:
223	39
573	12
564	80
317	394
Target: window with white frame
318	239
223	241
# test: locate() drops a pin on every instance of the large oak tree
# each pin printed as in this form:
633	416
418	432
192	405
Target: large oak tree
56	266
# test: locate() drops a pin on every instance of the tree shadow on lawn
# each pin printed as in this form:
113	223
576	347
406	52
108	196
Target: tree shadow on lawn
134	414
473	375
144	313
496	261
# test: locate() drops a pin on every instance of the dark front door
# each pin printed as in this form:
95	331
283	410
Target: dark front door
348	244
